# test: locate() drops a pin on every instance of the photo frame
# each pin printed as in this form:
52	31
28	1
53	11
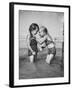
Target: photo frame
56	18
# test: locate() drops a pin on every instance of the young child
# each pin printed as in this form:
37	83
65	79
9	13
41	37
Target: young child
32	43
45	42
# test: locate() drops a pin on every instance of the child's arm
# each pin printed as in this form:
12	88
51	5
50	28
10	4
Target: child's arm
39	47
49	37
42	39
28	44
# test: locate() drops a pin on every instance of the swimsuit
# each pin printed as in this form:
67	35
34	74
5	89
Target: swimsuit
50	50
33	44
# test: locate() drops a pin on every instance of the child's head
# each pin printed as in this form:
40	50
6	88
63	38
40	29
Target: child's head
33	29
43	31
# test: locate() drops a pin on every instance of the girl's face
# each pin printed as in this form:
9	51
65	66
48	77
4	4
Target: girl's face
34	32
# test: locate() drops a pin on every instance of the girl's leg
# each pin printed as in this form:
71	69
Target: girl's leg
33	45
35	58
49	58
31	58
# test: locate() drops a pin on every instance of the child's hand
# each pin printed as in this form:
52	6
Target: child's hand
40	49
51	45
33	53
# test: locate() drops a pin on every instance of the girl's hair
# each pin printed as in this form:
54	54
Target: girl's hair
33	27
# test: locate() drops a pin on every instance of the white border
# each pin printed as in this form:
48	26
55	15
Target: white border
16	45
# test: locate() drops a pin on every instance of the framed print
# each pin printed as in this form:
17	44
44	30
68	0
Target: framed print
39	44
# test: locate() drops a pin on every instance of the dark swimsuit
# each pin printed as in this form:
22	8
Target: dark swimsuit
33	44
50	50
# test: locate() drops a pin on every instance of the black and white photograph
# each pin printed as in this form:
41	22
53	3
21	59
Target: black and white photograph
41	44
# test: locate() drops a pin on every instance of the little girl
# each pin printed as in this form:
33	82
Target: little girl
32	43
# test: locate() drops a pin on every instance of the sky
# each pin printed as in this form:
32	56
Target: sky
53	21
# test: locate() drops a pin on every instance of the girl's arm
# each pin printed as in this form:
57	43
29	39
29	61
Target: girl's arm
28	43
